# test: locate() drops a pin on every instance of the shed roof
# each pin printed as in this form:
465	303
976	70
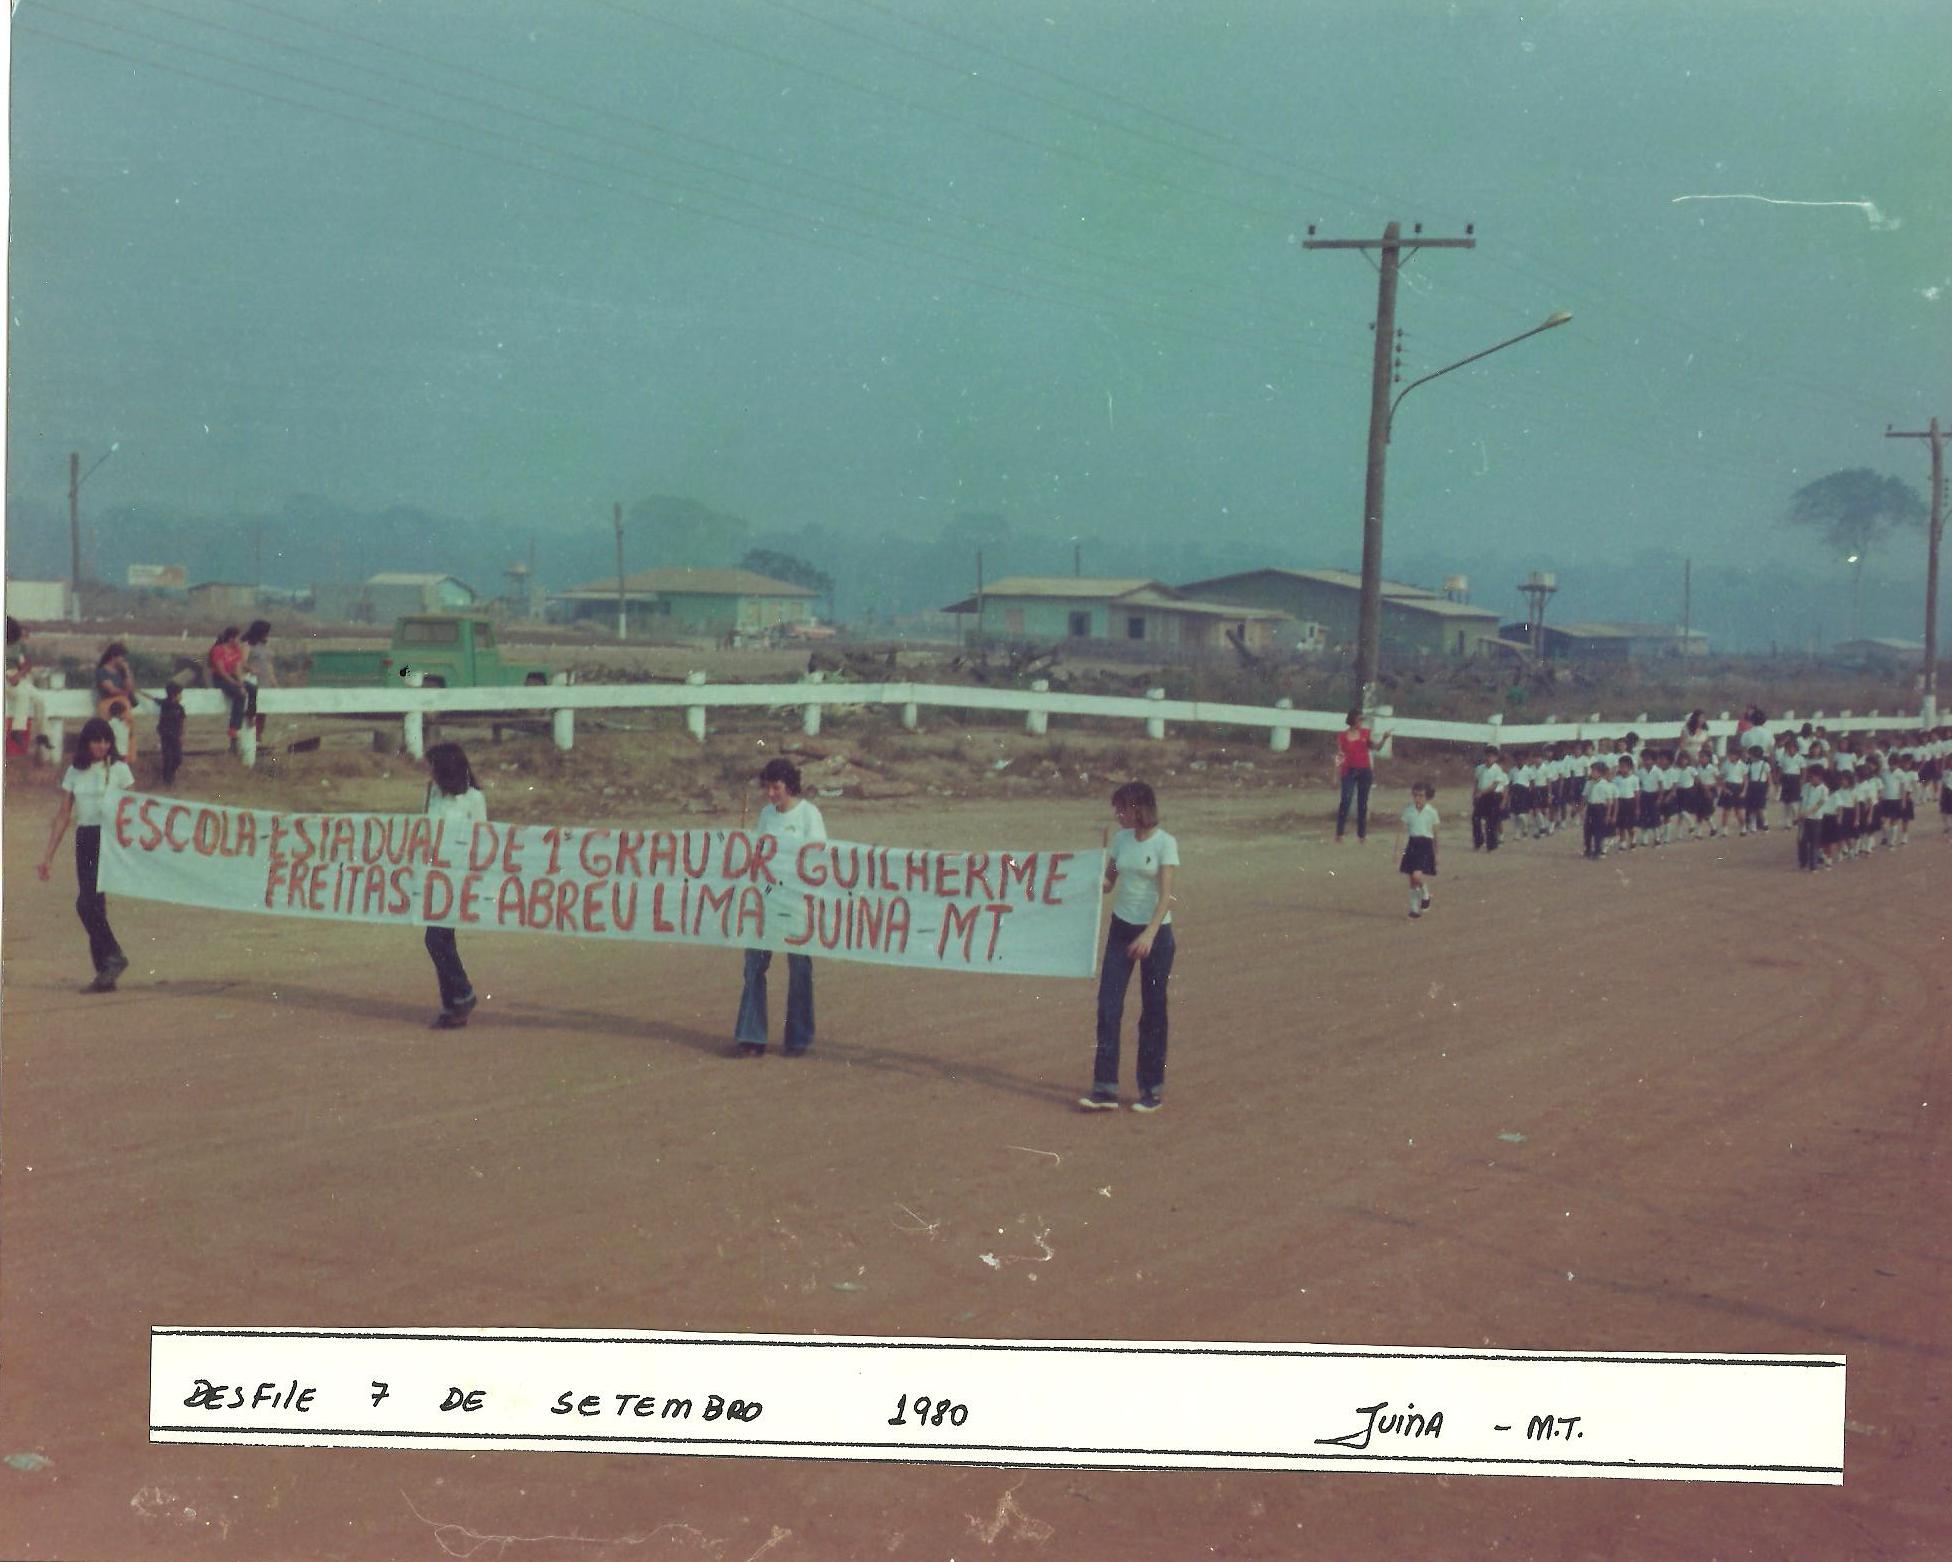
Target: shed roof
1348	580
413	578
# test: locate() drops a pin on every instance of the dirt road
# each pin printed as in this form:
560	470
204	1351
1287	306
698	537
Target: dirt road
1730	1080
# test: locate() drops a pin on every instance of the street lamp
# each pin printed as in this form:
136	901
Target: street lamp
1369	618
1557	317
76	477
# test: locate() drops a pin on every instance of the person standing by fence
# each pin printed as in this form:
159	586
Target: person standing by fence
1353	746
88	792
1141	863
795	821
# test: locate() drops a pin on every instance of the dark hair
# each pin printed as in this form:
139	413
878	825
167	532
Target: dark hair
91	729
15	634
781	770
1355	719
110	651
452	773
1696	721
1428	788
230	632
1139	798
259	632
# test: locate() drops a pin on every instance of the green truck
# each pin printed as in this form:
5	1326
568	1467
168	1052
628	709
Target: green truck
448	650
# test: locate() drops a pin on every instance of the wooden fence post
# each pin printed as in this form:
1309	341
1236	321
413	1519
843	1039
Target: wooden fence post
562	720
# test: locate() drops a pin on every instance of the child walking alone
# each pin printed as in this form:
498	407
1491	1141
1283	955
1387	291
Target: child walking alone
1419	845
454	799
1141	863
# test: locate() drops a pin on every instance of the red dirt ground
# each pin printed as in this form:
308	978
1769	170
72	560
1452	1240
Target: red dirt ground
1732	1082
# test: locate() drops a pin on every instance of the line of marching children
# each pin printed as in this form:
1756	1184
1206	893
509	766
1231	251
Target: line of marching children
1839	798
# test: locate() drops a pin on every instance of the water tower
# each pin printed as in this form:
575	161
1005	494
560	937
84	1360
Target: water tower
520	595
1457	588
1536	587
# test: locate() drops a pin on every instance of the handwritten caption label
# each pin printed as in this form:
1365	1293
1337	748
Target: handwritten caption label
1774	1419
1024	913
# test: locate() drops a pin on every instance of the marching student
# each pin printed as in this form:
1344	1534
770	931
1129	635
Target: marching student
1674	787
1831	813
1908	807
1809	814
1599	809
1790	765
1518	799
1755	790
1891	800
88	793
1867	805
1734	779
1419	839
1652	781
1140	867
1701	795
1626	801
454	799
1488	783
795	821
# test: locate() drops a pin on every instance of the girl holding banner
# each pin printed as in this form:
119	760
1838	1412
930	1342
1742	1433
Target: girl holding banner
1143	860
795	821
452	796
87	789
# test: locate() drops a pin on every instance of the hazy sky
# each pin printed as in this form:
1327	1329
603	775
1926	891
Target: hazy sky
853	262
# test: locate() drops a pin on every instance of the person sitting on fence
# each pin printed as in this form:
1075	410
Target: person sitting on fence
226	663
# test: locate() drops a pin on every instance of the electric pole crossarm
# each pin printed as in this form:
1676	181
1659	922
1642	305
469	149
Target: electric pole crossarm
1389	243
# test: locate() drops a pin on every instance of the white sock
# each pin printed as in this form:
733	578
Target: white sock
1416	899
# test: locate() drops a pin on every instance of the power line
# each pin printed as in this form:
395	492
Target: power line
1157	318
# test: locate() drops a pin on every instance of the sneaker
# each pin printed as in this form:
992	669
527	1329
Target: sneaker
1097	1102
450	1019
1416	913
748	1049
1151	1103
1426	902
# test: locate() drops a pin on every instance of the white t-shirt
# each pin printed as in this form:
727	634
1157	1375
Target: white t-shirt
1421	822
1791	764
1758	769
1814	797
797	825
1891	785
1626	784
1138	862
1598	793
91	790
462	811
1733	770
1491	778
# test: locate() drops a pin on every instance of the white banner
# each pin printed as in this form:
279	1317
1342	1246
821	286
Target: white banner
1018	913
1207	1405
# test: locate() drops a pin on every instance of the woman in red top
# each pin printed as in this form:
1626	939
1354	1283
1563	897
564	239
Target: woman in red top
226	671
1352	764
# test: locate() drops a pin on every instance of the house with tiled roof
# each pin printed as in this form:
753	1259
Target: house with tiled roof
692	602
1128	610
1416	620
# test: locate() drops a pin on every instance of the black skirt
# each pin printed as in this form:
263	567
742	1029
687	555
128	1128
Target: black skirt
1420	856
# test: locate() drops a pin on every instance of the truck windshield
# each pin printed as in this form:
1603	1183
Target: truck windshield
430	631
484	635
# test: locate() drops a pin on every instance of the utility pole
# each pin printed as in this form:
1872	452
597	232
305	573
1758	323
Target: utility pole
1929	715
74	535
617	519
1369	615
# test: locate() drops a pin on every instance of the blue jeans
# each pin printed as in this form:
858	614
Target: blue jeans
751	1024
1113	978
1355	787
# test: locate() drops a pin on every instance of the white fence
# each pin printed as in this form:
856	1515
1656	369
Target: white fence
54	706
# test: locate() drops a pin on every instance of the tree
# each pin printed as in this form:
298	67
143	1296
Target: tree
784	566
1855	510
